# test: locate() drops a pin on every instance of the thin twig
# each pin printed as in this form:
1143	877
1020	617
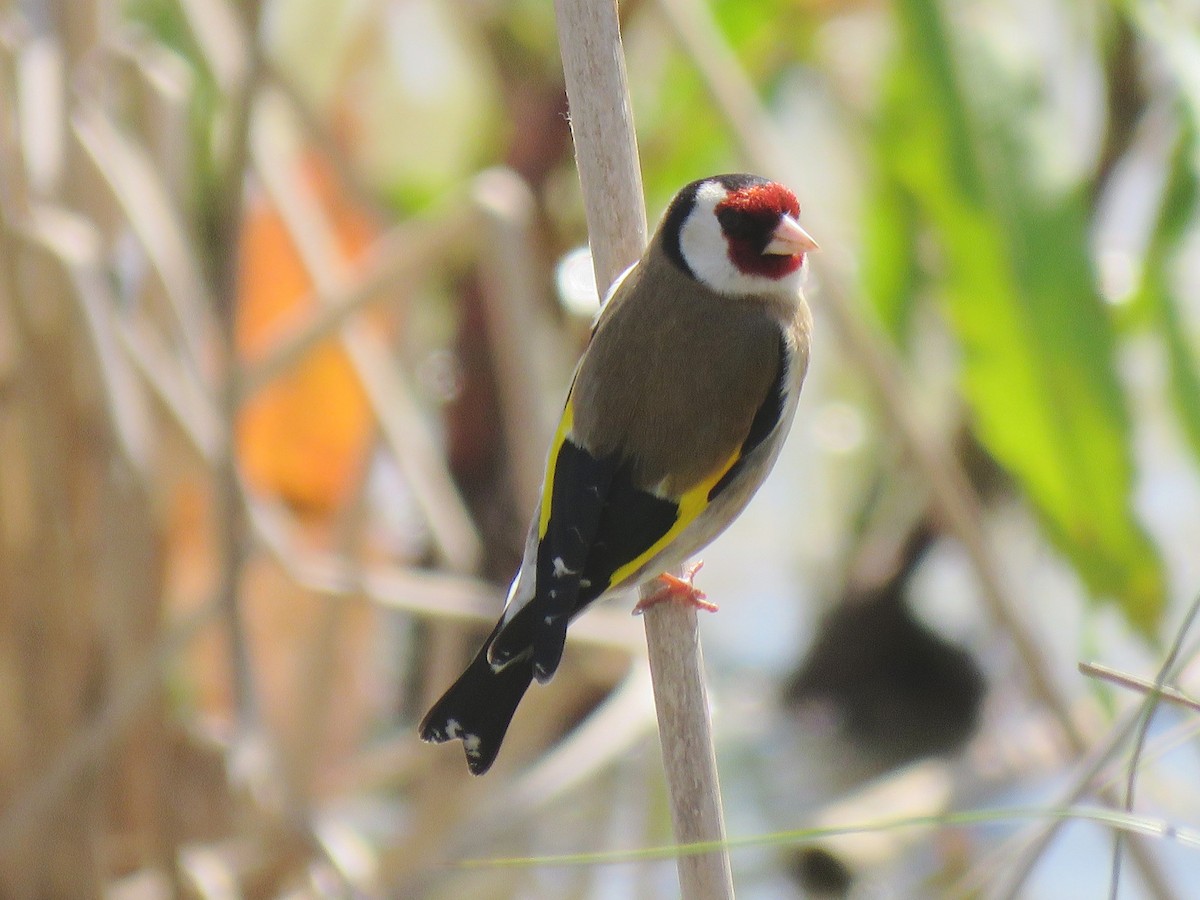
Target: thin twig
398	257
609	174
1149	707
154	218
1005	869
228	215
1139	685
985	878
420	592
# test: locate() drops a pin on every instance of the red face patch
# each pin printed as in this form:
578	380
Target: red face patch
770	197
748	218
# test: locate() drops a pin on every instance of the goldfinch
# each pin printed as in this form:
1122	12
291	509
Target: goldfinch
676	413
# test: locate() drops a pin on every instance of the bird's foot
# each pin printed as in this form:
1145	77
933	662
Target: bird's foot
678	589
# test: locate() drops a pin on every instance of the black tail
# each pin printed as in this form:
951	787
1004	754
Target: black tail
531	630
478	707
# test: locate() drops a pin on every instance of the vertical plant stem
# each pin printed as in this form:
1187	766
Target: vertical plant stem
606	155
228	223
512	317
681	702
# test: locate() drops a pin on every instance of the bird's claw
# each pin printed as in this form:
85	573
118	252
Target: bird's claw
678	589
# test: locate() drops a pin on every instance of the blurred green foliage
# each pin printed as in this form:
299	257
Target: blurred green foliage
1019	290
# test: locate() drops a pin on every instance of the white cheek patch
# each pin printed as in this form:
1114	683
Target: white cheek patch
701	242
706	251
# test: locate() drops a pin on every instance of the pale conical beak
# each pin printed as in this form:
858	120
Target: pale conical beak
789	239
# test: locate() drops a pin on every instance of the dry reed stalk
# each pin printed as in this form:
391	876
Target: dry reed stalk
228	216
516	329
610	176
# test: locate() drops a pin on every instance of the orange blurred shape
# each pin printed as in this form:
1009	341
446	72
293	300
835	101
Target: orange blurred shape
302	437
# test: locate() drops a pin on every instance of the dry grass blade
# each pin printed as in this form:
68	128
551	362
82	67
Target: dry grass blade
407	434
160	86
512	314
222	40
1139	685
324	138
185	400
75	242
136	186
398	258
423	593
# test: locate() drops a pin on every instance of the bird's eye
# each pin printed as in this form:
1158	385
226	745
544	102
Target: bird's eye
739	224
752	227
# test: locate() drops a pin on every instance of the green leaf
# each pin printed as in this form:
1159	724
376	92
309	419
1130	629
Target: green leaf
1038	347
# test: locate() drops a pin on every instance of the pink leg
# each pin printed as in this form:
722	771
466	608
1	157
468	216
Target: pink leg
679	589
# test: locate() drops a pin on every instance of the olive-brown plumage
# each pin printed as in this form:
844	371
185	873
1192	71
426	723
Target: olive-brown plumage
677	412
654	347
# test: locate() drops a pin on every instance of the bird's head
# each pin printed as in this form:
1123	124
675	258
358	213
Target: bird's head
737	234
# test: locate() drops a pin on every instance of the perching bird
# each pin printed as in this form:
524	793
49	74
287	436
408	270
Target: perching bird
677	411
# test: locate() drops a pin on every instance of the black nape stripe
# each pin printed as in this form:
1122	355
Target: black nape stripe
672	225
684	203
739	180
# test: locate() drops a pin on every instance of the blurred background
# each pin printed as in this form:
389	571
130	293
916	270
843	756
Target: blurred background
290	293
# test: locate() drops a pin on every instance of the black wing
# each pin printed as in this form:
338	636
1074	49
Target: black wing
601	527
